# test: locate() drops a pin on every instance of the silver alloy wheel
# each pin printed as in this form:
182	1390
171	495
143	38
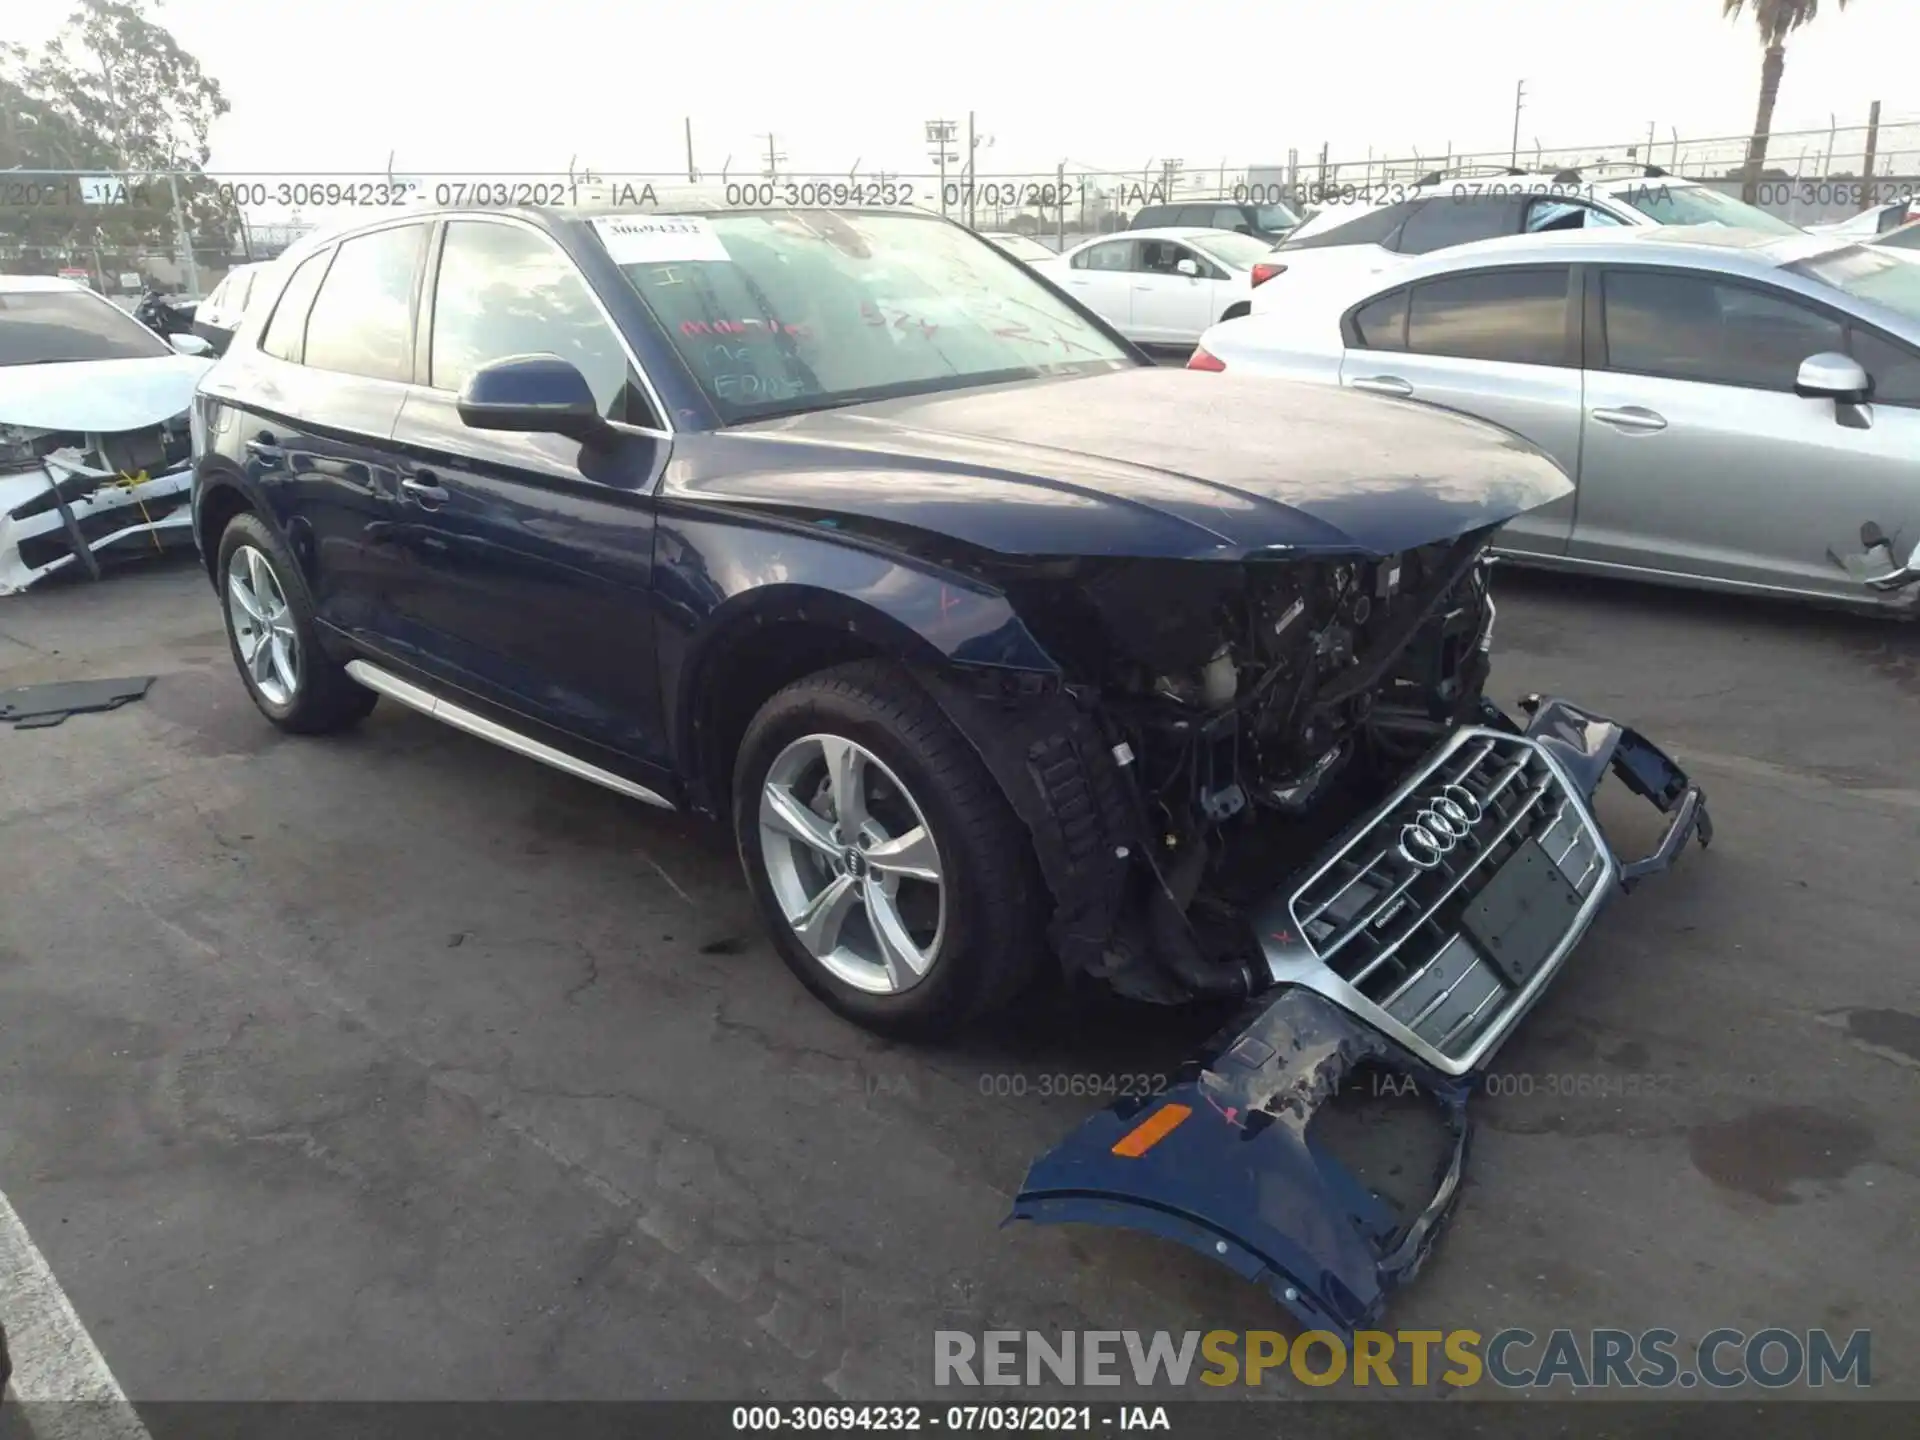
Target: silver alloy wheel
263	626
853	864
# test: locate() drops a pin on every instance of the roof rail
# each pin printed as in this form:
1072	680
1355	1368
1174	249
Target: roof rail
1434	177
1575	173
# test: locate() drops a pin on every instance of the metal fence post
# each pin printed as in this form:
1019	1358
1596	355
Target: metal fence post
184	237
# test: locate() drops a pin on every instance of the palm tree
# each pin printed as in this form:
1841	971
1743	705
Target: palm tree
1777	19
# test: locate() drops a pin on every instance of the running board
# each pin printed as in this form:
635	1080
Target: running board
461	718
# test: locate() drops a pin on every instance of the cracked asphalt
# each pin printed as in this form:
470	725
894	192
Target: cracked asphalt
395	1066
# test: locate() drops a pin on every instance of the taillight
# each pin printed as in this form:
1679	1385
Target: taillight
1201	360
1265	271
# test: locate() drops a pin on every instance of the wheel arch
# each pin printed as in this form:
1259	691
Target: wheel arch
762	640
220	500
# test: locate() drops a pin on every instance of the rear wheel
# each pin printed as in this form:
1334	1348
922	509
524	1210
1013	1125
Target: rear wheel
897	883
271	631
1236	310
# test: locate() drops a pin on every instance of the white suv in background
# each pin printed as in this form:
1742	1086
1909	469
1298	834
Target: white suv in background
1359	238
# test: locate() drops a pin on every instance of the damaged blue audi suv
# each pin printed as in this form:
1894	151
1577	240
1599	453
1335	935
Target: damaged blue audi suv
1003	652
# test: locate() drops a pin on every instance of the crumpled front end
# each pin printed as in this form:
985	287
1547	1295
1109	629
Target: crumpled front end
70	499
1397	963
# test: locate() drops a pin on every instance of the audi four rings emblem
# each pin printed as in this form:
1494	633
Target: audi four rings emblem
1442	823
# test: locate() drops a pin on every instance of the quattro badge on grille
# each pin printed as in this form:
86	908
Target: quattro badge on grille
1442	823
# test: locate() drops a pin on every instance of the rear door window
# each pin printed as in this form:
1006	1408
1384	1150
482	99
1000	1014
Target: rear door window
1517	317
1445	220
362	320
1113	255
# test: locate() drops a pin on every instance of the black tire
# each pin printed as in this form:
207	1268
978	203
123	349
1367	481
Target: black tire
1236	310
994	938
325	698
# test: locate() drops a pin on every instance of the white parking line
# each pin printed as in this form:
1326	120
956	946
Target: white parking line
55	1361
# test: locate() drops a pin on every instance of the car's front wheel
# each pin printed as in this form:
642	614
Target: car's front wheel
271	631
896	881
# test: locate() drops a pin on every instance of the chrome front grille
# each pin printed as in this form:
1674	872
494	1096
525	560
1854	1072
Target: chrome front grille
1399	924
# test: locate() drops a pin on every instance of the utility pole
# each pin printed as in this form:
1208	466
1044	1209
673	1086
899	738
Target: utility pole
1060	194
1872	155
693	175
1519	100
774	157
973	144
940	135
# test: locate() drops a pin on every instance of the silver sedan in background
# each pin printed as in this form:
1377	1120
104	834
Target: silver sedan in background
1738	411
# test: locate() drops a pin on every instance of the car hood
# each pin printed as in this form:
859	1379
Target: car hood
1149	461
99	396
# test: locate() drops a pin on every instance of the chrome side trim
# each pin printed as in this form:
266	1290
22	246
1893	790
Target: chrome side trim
461	718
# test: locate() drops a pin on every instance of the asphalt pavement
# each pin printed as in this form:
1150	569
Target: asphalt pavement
395	1066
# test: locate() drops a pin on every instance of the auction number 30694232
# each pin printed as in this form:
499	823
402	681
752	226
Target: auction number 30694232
959	1419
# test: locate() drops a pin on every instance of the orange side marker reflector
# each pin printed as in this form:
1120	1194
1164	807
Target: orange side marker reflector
1151	1131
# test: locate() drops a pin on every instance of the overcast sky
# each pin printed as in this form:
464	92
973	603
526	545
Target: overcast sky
509	85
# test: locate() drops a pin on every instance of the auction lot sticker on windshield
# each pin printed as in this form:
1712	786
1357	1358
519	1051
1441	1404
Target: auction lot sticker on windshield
656	239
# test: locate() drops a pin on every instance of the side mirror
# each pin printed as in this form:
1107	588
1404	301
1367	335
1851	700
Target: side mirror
189	344
1833	376
541	394
1189	268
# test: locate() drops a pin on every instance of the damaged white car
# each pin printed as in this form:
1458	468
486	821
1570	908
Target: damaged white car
96	456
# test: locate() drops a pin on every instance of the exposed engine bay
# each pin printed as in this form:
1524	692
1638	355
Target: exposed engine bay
1282	783
1255	707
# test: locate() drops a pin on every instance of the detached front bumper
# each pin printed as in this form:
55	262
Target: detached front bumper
1406	955
66	512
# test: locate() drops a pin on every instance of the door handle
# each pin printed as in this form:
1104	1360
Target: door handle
422	488
266	452
1383	385
1633	418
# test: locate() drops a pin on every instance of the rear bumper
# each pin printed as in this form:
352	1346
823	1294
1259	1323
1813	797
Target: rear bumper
1387	967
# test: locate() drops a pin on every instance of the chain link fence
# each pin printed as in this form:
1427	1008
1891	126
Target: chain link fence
184	230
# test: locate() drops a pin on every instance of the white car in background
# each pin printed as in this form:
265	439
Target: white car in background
1397	223
96	450
1161	287
218	316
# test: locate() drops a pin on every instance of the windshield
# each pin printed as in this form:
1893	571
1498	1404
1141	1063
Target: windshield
40	327
1238	251
782	311
1700	205
1907	237
1869	274
1274	218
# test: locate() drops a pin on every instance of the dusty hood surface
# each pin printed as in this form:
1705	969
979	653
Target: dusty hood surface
99	396
1149	461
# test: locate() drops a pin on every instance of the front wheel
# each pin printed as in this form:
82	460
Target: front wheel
275	644
896	881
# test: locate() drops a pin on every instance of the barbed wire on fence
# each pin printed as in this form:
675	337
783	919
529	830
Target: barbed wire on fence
193	225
